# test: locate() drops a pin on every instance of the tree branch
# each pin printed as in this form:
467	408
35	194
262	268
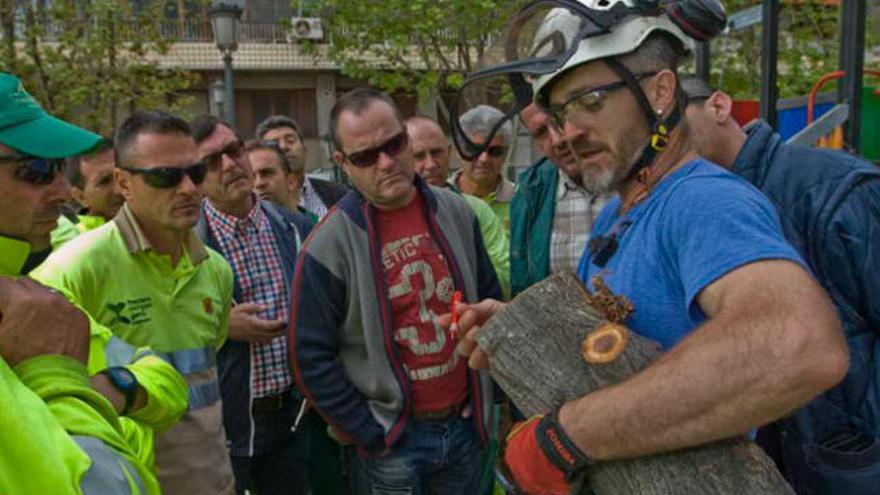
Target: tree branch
33	47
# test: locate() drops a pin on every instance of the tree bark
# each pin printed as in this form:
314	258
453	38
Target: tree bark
181	20
535	346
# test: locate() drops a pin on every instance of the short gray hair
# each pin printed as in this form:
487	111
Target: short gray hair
481	119
696	89
659	51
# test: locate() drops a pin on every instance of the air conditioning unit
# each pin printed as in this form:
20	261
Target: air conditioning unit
305	28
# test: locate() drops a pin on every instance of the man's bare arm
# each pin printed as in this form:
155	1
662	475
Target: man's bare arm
771	343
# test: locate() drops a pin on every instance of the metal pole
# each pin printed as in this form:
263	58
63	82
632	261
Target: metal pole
230	91
851	61
769	58
704	67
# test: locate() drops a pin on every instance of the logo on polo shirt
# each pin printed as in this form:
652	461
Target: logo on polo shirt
208	305
134	311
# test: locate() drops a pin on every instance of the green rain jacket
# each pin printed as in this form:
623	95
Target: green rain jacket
531	223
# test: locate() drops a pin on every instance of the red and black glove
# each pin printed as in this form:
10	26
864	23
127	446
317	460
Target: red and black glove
541	458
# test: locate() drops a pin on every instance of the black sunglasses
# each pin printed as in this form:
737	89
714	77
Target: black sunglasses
167	177
496	151
234	150
368	157
33	170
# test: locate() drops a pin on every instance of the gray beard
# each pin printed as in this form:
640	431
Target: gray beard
601	183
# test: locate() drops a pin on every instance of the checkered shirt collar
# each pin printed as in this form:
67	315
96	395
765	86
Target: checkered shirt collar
230	225
565	185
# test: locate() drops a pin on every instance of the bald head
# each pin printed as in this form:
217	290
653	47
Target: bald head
431	149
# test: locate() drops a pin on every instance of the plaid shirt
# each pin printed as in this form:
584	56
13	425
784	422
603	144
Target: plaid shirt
576	209
248	245
309	199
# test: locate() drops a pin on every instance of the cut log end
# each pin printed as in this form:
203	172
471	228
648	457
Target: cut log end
605	343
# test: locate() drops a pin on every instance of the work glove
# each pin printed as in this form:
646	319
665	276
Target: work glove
541	457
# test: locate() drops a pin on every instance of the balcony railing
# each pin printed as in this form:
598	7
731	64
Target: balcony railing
195	30
200	31
171	30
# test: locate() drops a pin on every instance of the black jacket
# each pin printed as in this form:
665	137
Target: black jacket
329	192
829	205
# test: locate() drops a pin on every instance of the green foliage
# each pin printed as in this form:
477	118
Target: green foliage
91	61
427	46
419	46
808	48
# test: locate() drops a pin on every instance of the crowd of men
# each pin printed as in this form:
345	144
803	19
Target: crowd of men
184	311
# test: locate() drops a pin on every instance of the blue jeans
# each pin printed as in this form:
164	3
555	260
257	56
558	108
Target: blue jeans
281	457
434	457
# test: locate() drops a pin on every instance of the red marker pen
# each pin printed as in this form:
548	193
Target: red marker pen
456	300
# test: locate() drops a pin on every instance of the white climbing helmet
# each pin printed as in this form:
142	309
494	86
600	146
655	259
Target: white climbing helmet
549	37
574	39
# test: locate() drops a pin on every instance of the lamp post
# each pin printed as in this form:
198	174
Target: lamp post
217	98
226	25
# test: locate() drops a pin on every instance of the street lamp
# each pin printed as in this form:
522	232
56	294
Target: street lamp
217	98
226	25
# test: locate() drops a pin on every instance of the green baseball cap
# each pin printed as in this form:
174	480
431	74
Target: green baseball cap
28	129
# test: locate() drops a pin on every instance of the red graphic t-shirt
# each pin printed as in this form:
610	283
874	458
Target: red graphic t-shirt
420	288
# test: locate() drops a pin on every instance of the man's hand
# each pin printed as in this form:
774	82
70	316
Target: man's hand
541	457
36	321
243	325
470	318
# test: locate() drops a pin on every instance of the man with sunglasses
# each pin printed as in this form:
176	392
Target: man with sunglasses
748	334
551	214
51	345
315	195
262	409
370	281
431	150
483	176
147	277
829	204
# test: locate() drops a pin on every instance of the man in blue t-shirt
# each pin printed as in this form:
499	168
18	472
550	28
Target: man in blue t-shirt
679	240
749	335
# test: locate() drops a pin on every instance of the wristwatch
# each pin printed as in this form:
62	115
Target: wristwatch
124	381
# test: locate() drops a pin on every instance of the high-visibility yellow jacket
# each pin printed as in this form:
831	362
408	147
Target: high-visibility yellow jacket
180	310
68	230
61	436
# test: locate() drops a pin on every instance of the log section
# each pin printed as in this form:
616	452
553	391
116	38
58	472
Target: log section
538	353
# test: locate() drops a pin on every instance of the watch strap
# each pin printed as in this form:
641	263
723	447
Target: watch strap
127	387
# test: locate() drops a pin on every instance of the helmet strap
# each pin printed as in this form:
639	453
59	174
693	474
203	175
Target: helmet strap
660	127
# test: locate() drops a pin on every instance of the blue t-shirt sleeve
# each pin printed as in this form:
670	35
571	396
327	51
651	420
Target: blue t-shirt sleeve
721	223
